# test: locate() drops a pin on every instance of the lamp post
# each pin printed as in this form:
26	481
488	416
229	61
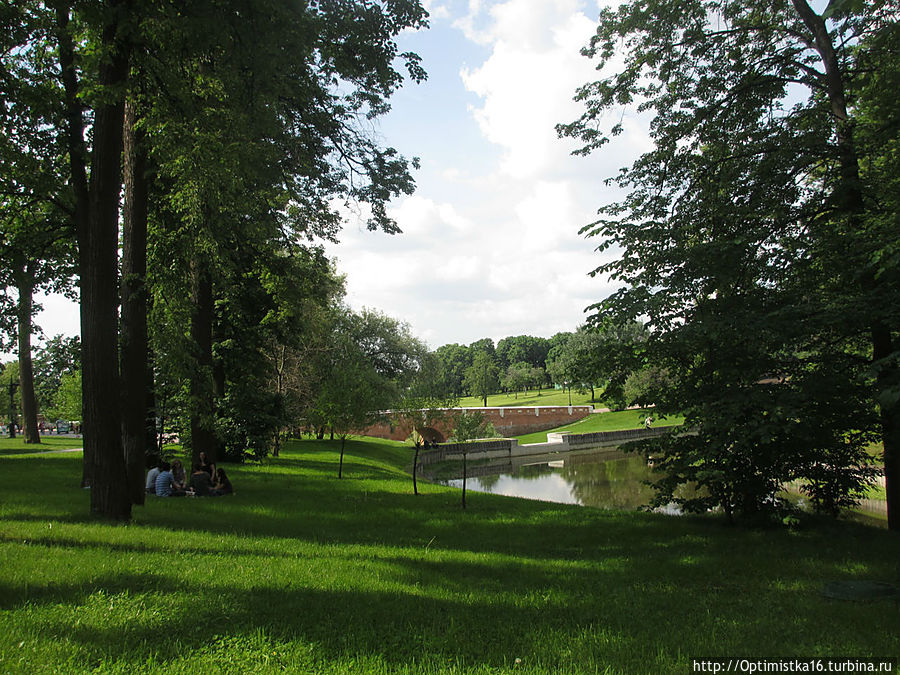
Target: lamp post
12	408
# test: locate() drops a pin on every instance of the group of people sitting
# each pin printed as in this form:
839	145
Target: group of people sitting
170	480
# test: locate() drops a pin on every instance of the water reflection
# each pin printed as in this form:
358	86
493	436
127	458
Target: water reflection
604	479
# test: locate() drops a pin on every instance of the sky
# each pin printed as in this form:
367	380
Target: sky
490	244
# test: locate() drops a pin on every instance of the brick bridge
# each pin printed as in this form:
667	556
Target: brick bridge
508	421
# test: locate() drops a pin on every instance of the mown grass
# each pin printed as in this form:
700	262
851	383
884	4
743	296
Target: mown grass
544	397
17	445
608	421
305	573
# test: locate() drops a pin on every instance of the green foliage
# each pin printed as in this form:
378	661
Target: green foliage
67	403
749	236
523	349
60	355
646	386
472	425
482	376
9	375
454	360
372	359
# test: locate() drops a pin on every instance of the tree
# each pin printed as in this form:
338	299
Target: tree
756	240
96	198
59	356
454	359
371	360
522	348
9	391
424	404
481	377
67	401
35	202
259	123
517	377
255	166
469	426
643	387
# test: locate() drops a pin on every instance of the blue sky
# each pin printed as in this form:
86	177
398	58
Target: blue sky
490	245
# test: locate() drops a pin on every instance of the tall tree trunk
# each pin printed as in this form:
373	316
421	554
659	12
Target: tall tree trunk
203	438
415	469
888	378
77	152
98	241
849	199
134	341
218	394
150	406
25	284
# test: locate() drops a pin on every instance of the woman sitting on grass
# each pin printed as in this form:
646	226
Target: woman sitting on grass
178	474
206	465
223	485
200	481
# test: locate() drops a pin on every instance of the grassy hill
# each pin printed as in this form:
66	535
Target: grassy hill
302	572
608	421
544	397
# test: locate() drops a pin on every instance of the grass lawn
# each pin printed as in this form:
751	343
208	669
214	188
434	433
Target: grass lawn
305	573
611	421
17	446
546	397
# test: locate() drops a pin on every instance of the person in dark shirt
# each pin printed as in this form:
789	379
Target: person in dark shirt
206	465
200	481
223	485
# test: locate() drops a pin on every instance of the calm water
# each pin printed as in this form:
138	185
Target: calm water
605	479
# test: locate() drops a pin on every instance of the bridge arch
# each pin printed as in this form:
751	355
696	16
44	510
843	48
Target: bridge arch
431	434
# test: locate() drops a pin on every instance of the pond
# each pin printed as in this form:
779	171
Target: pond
605	479
602	479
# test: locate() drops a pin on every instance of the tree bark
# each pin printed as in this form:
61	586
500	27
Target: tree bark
134	340
98	241
850	200
25	285
77	152
203	438
415	469
888	377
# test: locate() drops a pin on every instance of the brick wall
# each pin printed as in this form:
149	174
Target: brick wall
508	421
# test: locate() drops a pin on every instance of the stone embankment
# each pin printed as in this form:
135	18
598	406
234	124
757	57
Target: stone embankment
509	448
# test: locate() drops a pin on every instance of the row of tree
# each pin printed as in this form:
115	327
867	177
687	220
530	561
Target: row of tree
232	134
605	358
57	384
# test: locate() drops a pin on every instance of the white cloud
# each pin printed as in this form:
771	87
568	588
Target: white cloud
436	10
528	82
499	252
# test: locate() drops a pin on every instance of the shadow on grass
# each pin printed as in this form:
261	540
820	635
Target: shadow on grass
627	605
565	588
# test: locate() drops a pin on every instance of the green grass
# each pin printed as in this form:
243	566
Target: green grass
17	445
611	421
305	573
545	397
